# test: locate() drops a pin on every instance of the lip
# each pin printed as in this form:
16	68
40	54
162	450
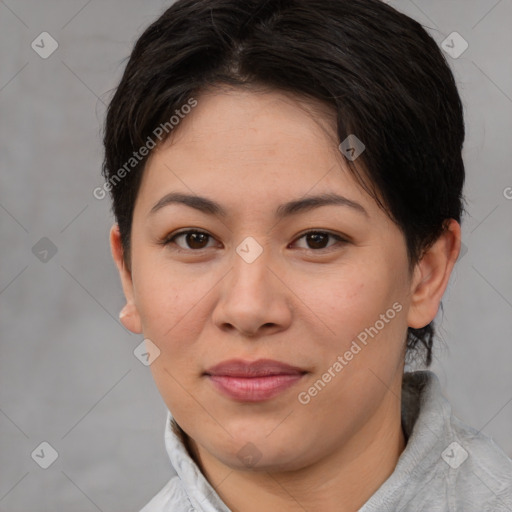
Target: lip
253	381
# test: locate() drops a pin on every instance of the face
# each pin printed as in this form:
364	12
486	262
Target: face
256	271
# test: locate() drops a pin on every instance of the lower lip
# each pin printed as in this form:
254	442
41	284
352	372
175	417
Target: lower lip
253	389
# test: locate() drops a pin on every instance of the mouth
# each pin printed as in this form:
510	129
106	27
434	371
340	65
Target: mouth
253	381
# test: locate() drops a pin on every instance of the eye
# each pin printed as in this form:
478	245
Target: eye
317	240
194	239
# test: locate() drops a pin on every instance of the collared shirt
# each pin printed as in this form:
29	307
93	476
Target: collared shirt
446	466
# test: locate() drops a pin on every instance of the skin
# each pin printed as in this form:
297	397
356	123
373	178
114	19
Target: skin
299	303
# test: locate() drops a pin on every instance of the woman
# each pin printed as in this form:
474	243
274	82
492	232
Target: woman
287	180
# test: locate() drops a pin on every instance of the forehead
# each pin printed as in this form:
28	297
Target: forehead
244	120
259	145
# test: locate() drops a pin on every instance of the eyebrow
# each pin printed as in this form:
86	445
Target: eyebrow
295	207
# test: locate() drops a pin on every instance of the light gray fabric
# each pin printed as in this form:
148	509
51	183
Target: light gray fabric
432	474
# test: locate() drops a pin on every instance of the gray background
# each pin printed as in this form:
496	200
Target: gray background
68	375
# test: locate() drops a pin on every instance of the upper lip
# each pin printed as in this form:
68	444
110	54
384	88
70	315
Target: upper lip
259	368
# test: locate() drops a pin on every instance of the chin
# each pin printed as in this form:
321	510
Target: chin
257	451
264	461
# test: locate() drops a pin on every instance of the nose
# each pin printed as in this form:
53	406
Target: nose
253	298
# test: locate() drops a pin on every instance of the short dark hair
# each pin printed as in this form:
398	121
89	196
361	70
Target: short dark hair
379	72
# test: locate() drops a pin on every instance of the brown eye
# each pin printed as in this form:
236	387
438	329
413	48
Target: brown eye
318	240
194	240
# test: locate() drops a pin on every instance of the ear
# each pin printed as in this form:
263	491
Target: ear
129	315
431	275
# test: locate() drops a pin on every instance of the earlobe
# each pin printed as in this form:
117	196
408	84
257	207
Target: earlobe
431	276
129	315
130	318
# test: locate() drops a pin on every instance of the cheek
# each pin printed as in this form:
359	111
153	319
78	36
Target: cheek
171	305
173	312
347	300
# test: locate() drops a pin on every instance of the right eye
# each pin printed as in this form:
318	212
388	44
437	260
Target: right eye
193	239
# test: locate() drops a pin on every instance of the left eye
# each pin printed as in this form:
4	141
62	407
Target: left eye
317	239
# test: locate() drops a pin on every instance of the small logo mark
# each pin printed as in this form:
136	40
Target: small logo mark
454	45
351	147
454	455
249	455
249	250
44	45
44	250
146	352
45	455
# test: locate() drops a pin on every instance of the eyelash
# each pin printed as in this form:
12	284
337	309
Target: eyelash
171	239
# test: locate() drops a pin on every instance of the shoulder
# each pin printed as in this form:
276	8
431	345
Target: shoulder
171	497
477	470
453	466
